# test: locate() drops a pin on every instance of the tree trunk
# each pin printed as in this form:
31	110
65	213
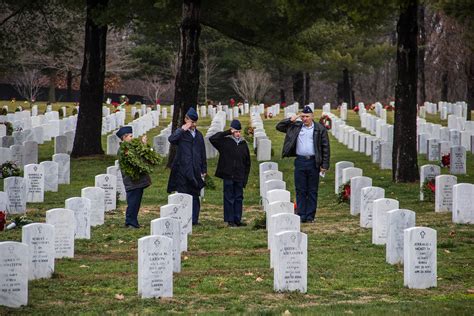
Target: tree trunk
351	84
307	87
187	76
405	163
88	140
53	74
69	86
346	87
421	55
298	87
470	86
444	87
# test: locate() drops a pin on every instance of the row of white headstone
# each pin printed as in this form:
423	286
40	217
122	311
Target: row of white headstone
42	243
287	244
159	254
458	109
261	142
217	125
414	247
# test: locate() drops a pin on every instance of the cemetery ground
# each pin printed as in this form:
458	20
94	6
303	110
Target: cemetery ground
227	269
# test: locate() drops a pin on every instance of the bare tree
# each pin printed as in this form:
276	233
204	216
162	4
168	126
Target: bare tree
251	85
28	83
208	66
154	87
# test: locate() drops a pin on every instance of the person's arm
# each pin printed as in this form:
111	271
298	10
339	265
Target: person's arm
176	136
325	150
204	158
247	165
218	139
283	125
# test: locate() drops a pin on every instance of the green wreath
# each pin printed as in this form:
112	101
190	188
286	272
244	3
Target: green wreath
137	158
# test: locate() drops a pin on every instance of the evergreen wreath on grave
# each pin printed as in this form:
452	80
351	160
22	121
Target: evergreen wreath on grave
3	219
3	111
344	194
389	108
9	127
356	109
428	189
446	160
248	133
326	121
9	169
137	158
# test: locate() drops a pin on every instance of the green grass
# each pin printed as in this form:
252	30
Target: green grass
227	270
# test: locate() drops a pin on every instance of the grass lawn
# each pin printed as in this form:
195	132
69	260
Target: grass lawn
227	270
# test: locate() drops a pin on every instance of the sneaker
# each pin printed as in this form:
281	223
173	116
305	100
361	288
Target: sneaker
241	224
131	226
231	224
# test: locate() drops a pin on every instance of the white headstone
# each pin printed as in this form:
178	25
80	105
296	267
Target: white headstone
171	228
291	262
463	203
177	212
420	258
457	160
81	207
349	173
40	239
444	192
338	177
186	202
108	182
51	176
97	197
15	188
155	266
379	219
264	150
280	223
64	226
64	168
398	220
13	274
34	176
357	184
427	173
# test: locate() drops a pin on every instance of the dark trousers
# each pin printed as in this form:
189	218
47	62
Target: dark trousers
233	200
306	185
134	199
196	209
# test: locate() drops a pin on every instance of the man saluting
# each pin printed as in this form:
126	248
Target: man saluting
307	141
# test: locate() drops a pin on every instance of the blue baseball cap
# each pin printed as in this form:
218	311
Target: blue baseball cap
192	114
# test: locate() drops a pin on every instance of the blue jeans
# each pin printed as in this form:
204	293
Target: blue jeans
233	200
134	199
306	186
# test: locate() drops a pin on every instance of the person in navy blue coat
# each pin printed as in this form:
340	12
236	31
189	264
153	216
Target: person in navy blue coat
189	166
233	168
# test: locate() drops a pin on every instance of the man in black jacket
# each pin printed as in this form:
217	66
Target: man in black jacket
307	141
233	167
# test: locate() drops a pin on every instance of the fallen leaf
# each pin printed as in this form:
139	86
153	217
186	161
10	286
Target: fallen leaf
287	312
259	279
119	297
249	273
452	233
349	312
185	258
470	291
120	241
447	251
83	266
322	278
106	246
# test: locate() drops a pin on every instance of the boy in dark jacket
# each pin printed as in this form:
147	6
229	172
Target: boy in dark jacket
234	168
134	188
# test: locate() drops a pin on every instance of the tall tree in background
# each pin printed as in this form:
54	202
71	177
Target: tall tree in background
187	77
421	55
89	123
405	164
